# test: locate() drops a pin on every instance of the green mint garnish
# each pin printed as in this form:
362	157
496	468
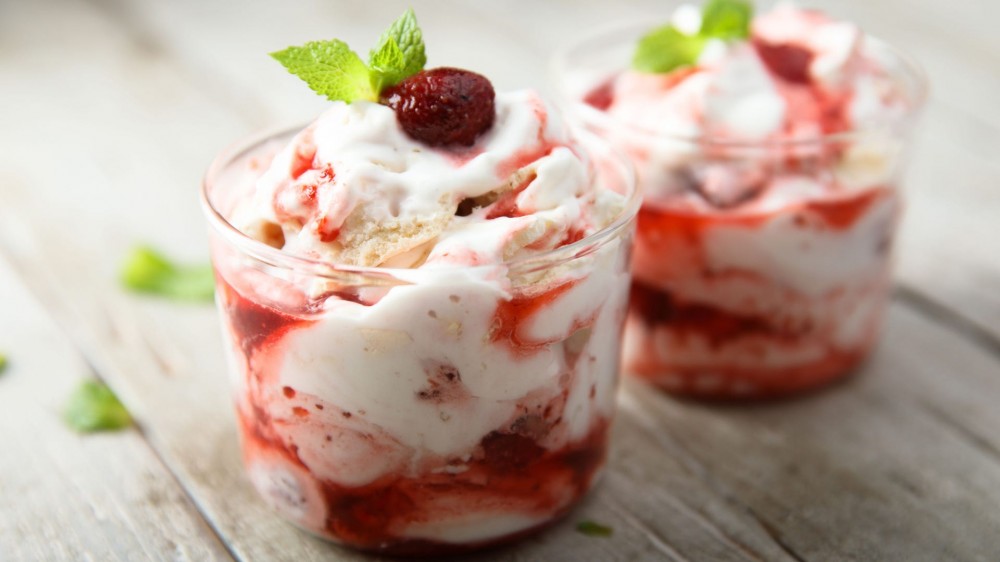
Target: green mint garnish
93	407
592	529
726	19
147	271
387	64
332	69
403	36
3	362
667	48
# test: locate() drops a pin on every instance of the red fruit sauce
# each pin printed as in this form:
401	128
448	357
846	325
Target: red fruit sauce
790	62
509	471
655	309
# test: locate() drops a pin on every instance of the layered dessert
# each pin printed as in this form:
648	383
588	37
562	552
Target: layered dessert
768	149
423	296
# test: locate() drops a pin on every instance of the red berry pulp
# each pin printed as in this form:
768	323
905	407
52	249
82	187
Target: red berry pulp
509	470
443	106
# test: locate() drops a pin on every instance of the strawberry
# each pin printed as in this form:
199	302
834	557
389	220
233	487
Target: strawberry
786	60
443	106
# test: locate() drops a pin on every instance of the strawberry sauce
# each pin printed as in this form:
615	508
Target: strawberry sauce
690	335
509	471
511	315
255	326
506	472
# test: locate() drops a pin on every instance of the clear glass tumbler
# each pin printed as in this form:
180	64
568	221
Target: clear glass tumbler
739	299
420	412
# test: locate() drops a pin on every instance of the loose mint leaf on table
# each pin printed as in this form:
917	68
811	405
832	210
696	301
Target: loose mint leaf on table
665	49
147	271
592	529
726	19
333	70
93	407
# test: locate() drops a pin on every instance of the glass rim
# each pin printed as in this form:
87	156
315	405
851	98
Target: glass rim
615	33
277	257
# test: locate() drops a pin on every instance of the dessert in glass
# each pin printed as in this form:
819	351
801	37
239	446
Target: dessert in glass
769	151
423	319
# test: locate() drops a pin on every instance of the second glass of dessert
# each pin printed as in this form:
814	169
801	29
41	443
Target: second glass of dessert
769	151
423	294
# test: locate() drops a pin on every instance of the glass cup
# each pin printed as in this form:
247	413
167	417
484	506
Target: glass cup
739	297
420	411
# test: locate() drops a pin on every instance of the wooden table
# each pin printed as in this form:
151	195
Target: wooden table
110	111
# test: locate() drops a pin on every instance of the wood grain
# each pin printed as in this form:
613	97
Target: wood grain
72	497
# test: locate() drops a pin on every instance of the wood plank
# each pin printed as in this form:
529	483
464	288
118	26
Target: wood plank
73	497
899	463
688	481
947	250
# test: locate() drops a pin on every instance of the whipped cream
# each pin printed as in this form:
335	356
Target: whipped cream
758	103
769	171
741	90
354	189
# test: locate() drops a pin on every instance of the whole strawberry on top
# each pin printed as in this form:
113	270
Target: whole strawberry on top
443	106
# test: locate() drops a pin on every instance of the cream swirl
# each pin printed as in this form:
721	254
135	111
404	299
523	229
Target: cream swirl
353	188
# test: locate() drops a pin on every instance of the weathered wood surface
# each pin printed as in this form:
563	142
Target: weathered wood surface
102	497
112	110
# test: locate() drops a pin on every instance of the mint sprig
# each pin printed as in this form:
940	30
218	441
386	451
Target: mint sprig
330	68
404	36
148	271
726	19
667	48
93	407
387	64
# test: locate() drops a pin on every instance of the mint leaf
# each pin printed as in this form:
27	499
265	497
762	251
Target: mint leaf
3	362
592	529
331	69
93	407
726	19
665	49
409	39
147	271
387	65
